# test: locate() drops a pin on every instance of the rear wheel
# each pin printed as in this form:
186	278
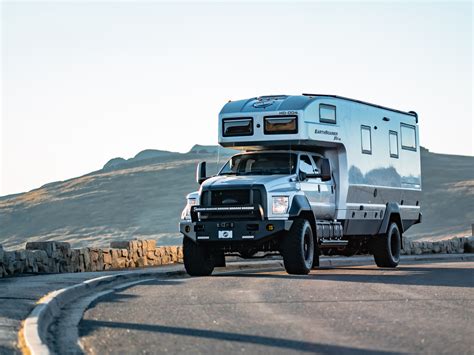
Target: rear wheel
387	247
297	248
197	259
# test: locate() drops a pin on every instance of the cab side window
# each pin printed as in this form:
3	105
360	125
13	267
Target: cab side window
305	165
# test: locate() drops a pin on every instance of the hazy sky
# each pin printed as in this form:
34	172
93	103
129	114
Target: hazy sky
83	82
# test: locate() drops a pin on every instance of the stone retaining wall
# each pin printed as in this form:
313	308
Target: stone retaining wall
456	245
55	257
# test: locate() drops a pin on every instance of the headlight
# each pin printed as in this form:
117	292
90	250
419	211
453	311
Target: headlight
186	214
280	204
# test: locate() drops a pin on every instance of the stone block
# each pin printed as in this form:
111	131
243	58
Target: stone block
151	244
121	244
94	253
469	244
49	247
124	253
107	258
141	262
151	255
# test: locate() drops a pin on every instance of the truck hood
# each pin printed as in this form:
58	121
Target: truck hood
272	183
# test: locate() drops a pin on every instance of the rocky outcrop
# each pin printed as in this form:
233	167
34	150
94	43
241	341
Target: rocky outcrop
58	257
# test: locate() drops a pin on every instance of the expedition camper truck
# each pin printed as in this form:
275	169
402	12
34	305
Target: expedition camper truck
318	175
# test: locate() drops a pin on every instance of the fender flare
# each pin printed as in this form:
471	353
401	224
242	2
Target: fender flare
392	209
299	204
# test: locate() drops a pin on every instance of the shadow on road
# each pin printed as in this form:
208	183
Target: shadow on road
120	297
403	275
88	326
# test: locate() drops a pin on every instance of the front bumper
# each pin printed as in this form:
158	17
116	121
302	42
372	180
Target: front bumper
229	231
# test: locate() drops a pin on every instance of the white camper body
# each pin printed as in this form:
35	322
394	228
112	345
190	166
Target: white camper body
352	174
374	151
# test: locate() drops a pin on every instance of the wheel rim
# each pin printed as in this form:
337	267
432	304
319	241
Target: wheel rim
394	244
307	245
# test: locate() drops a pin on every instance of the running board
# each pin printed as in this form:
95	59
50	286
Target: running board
334	243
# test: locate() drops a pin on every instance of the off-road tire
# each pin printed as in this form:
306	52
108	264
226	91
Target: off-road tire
316	255
197	259
297	248
386	247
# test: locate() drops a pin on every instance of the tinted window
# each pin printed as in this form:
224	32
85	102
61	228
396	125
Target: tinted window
280	125
327	113
408	137
366	139
237	127
393	141
305	165
260	164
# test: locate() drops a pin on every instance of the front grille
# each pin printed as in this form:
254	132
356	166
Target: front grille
230	197
236	203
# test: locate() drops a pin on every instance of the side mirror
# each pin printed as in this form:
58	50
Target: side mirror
302	176
325	174
325	170
201	174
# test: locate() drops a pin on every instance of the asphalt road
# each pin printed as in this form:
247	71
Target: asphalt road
426	308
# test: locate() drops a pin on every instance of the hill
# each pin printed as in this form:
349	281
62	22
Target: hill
143	197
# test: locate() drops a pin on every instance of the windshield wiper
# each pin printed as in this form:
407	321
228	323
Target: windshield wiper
253	172
229	173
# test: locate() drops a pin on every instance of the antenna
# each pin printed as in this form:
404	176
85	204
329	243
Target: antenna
289	162
218	157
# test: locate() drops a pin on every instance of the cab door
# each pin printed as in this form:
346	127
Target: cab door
326	206
309	186
320	194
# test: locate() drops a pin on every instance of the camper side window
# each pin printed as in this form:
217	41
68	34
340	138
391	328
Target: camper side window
393	141
366	139
242	126
408	137
327	113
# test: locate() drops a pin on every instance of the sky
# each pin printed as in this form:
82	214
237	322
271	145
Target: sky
84	82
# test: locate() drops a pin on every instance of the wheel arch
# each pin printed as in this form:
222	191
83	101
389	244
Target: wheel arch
392	214
300	208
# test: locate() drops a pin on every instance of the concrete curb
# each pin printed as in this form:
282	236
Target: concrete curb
33	334
35	327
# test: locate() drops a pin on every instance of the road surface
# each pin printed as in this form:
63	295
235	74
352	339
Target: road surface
425	308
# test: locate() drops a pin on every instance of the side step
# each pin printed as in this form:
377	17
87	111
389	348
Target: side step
334	243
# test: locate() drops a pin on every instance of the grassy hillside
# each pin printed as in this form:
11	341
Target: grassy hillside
143	197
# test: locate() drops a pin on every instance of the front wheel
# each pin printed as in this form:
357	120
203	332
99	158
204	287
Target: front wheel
197	259
387	247
297	248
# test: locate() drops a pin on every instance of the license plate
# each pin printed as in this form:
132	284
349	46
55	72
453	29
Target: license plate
225	235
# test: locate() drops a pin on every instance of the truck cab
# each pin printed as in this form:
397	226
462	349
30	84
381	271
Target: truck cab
305	184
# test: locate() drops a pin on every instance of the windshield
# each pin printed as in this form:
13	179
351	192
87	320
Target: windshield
261	164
